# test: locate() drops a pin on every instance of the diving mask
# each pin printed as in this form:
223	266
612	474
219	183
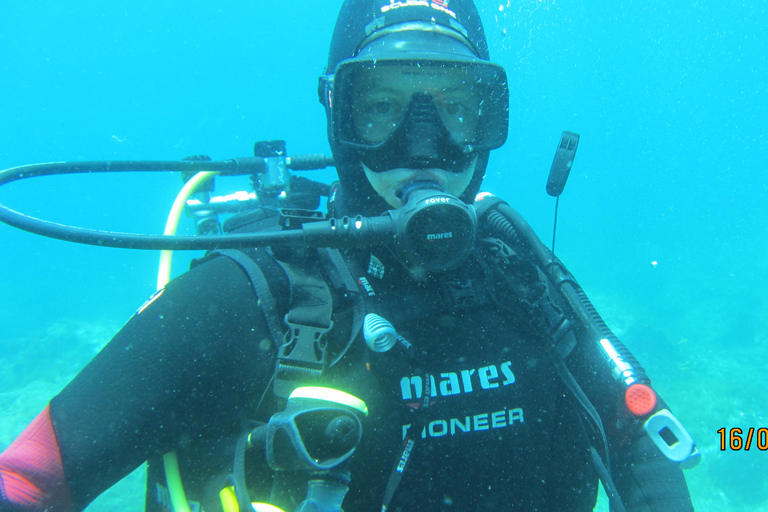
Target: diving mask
418	113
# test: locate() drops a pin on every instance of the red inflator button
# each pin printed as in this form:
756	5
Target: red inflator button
640	399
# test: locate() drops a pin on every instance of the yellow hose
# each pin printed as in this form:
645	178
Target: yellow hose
170	461
172	224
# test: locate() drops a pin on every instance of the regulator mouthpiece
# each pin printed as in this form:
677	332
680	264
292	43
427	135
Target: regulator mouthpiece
404	192
434	230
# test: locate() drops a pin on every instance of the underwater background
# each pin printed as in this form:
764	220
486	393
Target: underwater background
663	220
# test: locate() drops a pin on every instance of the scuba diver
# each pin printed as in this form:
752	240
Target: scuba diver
449	370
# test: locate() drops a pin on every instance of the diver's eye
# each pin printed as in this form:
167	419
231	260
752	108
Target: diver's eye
375	115
381	107
454	108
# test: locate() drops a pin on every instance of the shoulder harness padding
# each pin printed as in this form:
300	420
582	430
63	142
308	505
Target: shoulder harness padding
523	269
302	355
301	334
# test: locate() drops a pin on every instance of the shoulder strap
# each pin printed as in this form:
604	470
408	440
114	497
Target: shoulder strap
261	286
303	356
341	279
300	334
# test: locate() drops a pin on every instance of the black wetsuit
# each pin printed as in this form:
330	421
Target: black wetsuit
502	433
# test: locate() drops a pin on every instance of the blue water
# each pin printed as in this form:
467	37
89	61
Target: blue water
670	102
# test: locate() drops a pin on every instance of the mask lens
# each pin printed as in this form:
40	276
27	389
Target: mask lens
371	98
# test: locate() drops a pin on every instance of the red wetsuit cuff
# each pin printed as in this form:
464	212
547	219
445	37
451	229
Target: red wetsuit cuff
31	471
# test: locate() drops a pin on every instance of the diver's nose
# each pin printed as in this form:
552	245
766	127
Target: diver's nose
421	128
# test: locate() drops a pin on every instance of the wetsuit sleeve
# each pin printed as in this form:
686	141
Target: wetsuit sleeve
190	364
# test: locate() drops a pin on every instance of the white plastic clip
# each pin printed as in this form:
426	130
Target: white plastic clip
672	439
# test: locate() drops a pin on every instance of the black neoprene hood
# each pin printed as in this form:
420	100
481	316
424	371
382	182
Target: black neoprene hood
359	19
360	23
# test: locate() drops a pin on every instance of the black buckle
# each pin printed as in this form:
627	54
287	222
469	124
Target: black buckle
302	356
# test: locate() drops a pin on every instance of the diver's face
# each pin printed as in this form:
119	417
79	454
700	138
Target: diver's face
381	100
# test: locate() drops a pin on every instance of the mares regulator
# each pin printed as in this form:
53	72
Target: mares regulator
434	230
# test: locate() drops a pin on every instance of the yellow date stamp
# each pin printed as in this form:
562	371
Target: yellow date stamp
743	439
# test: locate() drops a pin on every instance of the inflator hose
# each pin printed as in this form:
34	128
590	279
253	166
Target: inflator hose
504	220
512	225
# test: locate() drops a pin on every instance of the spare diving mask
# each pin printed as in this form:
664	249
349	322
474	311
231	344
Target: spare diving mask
318	430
